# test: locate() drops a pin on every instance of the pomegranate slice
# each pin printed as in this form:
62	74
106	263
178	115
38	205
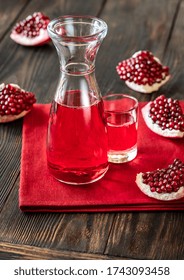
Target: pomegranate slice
164	116
14	102
163	184
31	31
143	72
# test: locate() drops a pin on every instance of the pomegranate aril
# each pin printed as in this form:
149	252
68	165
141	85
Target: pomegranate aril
7	112
4	107
13	110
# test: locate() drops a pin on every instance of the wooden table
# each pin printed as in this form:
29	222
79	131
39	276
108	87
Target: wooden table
133	25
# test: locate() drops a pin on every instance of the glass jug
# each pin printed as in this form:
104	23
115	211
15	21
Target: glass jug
77	134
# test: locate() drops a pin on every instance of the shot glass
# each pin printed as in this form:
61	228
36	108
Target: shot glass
121	113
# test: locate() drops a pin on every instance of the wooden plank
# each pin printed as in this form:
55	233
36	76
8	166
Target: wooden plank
11	139
174	54
147	236
14	251
9	13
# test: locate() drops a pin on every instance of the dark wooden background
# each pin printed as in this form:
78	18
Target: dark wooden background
133	25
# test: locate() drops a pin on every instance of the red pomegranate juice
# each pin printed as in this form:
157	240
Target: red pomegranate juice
77	143
122	131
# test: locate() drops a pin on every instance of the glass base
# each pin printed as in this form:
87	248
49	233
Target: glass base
72	178
122	156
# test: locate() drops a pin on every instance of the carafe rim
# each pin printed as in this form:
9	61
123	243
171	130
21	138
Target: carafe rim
66	19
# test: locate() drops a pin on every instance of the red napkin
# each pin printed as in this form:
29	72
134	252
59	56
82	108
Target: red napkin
117	191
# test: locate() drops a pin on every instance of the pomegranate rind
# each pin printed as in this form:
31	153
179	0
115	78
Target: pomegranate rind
160	196
39	40
11	118
156	128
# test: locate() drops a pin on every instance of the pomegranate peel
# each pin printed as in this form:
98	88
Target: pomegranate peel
164	116
14	102
143	72
31	31
163	184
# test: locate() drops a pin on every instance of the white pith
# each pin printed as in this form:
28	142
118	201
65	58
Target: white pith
156	128
147	88
25	41
160	196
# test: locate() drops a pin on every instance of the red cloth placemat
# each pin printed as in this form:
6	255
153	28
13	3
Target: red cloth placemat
117	191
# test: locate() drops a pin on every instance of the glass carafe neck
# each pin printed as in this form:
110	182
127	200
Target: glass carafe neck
77	90
77	40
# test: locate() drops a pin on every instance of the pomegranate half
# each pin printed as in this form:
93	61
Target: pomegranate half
14	102
163	184
165	117
31	31
143	72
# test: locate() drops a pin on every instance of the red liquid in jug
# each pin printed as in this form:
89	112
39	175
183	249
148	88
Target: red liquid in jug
77	143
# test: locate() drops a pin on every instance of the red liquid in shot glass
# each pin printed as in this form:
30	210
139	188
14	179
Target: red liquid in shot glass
121	115
122	131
